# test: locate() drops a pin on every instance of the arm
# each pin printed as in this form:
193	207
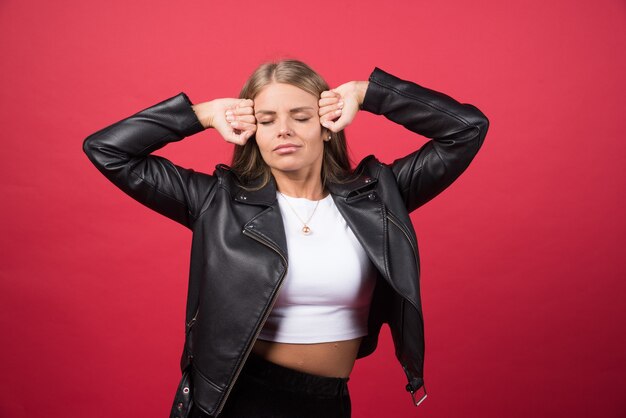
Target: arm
122	153
456	131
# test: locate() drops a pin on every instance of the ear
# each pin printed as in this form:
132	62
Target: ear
326	134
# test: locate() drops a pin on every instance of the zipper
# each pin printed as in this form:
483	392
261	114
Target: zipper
188	350
265	316
406	235
193	320
398	225
394	221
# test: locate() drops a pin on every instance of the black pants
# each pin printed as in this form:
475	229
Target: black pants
268	390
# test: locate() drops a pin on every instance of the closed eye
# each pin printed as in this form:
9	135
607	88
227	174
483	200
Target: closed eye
267	122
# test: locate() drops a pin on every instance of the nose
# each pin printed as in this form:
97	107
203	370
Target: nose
285	130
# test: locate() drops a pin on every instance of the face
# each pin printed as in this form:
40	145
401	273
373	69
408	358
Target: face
289	134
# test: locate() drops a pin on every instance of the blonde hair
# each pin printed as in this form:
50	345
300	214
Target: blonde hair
247	161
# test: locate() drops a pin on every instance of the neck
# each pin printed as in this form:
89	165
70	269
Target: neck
298	185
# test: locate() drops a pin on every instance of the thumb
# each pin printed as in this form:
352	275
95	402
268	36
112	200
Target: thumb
336	125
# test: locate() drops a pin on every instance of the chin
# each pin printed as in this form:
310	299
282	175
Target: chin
287	167
292	163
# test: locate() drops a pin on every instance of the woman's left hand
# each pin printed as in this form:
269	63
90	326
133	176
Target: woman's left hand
339	106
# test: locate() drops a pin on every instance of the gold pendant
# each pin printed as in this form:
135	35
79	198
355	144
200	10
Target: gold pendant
306	230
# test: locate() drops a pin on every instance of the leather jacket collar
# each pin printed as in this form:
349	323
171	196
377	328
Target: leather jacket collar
267	195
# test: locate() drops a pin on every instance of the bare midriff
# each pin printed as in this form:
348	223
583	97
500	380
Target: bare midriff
330	359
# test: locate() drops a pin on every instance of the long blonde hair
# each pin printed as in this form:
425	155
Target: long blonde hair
247	161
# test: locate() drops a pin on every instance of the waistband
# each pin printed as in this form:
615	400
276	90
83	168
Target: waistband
285	378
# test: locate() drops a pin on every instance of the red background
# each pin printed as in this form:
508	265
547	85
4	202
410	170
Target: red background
523	257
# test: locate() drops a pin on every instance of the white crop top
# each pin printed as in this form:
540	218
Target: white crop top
328	288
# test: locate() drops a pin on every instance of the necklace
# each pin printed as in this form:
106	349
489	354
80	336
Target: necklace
306	229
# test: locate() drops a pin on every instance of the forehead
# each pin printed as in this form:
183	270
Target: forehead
280	95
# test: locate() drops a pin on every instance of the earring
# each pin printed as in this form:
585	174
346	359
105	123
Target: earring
330	137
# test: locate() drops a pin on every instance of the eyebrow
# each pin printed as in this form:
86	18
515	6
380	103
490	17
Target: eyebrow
294	110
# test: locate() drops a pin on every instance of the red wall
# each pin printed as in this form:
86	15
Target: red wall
523	257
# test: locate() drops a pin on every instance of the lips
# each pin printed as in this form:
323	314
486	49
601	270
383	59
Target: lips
286	148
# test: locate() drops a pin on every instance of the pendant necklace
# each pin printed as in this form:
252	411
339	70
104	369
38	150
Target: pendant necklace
306	229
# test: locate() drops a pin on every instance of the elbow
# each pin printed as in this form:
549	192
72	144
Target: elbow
92	150
478	124
87	149
482	124
98	153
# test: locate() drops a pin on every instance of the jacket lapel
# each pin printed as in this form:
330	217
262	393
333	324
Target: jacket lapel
365	214
268	223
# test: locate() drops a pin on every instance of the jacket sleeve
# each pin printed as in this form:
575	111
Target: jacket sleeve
122	153
456	133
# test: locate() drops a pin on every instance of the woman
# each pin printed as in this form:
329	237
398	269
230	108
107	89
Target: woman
297	259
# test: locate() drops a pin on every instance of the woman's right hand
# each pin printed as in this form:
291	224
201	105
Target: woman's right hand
232	118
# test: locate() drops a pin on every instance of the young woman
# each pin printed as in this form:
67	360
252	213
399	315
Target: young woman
297	259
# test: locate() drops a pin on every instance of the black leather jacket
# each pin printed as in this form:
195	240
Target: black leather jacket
239	253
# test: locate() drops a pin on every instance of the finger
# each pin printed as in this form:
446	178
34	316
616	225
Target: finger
242	126
331	108
243	137
243	110
329	101
333	111
331	114
245	103
244	119
244	106
337	124
330	125
238	138
329	93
